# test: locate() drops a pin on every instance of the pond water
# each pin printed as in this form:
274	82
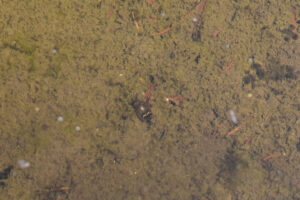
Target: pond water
149	99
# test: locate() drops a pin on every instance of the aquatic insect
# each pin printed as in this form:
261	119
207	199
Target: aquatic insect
142	110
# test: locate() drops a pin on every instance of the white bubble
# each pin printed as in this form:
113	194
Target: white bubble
77	128
60	119
23	164
194	19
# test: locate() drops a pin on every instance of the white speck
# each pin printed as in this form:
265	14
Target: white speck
227	46
142	108
77	128
233	117
194	19
60	119
23	164
278	172
251	60
54	51
37	109
163	14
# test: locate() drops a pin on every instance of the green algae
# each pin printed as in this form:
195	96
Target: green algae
103	63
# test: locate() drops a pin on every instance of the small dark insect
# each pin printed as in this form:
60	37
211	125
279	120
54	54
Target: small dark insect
142	110
5	174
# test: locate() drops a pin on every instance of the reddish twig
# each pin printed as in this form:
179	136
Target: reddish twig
164	31
201	9
147	95
228	67
216	130
214	34
248	140
199	12
295	36
239	127
181	98
110	13
150	2
135	22
189	13
270	156
233	131
152	20
174	100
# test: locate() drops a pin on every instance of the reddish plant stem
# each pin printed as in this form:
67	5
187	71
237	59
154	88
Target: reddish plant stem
147	95
228	67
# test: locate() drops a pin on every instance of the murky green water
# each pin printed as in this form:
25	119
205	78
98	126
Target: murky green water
88	62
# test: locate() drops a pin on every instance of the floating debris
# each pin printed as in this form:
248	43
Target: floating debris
54	51
60	119
251	60
233	117
23	164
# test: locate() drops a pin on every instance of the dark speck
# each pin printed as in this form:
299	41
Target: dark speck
172	55
259	70
298	146
151	78
5	173
278	172
286	39
295	36
2	184
197	59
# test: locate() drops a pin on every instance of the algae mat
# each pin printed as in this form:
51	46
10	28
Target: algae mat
71	71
